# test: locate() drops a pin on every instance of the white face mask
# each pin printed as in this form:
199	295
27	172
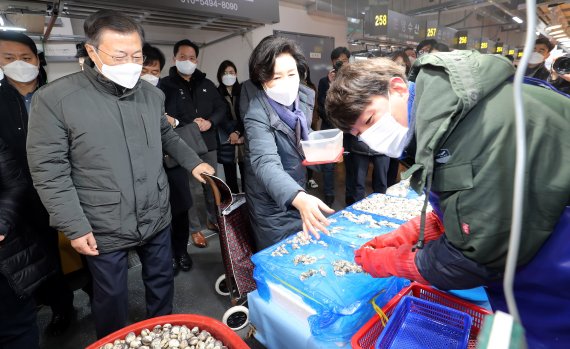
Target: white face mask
1	74
186	67
126	75
284	92
386	136
150	78
229	79
21	71
535	58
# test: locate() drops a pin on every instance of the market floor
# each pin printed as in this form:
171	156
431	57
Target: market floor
194	290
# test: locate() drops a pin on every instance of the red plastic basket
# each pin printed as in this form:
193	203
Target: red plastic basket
366	337
215	327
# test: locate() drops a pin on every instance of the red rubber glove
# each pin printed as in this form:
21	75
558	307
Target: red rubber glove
389	261
409	232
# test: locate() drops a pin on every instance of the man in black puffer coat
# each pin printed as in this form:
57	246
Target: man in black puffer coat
190	97
23	267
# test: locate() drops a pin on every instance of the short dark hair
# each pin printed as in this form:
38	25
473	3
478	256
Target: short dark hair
401	53
424	43
223	67
110	20
262	59
20	38
153	54
510	58
440	47
341	50
354	87
185	42
545	42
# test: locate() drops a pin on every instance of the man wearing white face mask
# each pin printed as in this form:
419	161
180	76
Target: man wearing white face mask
536	68
95	148
463	122
20	62
191	97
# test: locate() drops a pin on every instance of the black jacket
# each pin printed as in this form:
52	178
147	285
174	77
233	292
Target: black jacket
539	72
13	131
561	85
188	100
21	261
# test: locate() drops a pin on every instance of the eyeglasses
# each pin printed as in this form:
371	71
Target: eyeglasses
125	59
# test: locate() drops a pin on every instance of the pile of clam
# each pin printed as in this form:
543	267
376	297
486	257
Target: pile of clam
167	336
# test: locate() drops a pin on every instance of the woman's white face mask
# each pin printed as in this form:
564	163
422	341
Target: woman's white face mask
386	136
285	83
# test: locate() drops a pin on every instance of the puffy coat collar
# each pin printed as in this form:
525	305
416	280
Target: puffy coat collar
197	76
448	86
103	84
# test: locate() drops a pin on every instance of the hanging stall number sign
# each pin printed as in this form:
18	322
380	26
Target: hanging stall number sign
484	46
444	35
405	28
376	21
461	40
512	52
264	11
520	53
499	49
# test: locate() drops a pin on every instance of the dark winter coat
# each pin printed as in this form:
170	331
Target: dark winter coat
232	122
95	153
22	262
197	98
13	131
274	173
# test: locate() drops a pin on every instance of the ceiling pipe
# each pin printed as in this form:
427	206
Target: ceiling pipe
52	20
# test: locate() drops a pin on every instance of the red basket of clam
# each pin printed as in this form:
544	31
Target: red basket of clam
147	331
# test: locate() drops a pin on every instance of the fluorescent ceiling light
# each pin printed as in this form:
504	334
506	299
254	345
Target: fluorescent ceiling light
13	28
559	36
5	25
557	32
553	27
518	20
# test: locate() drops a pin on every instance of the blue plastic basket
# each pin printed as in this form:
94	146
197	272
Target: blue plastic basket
417	323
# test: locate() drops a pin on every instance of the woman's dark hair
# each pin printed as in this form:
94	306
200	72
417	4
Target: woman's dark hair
262	59
222	69
401	53
153	54
424	43
306	78
110	20
186	42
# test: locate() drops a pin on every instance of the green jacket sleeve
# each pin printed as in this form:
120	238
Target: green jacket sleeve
48	149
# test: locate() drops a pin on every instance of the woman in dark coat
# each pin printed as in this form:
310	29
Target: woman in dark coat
231	149
277	119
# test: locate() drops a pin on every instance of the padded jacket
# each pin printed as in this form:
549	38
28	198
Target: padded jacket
95	154
274	173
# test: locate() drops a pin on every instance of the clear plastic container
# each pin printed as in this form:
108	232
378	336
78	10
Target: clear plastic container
323	146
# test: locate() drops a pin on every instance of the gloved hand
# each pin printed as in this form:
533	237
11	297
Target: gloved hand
409	232
389	261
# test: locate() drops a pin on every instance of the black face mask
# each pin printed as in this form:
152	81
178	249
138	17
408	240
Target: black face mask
562	65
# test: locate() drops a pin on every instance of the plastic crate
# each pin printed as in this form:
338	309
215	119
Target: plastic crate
417	323
367	336
215	327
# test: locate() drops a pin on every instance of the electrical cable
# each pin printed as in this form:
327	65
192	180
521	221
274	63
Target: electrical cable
520	165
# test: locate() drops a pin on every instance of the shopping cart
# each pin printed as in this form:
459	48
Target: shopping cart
236	244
